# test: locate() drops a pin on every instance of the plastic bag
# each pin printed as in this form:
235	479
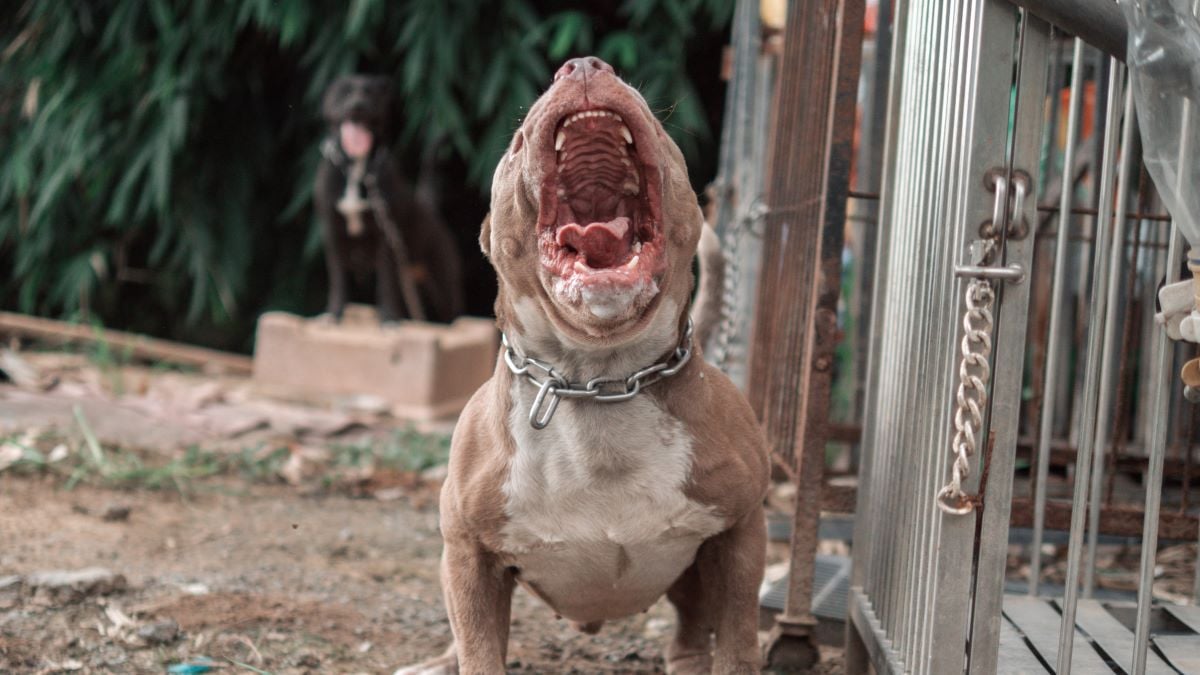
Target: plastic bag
1164	68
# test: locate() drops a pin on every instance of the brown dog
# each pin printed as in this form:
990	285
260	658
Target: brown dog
593	227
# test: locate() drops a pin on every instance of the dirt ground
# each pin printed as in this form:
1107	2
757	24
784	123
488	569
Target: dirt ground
258	578
228	532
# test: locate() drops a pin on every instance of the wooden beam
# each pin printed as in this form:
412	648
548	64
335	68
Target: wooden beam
137	346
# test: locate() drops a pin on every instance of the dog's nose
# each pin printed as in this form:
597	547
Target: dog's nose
582	68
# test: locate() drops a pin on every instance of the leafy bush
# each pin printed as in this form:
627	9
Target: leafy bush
158	154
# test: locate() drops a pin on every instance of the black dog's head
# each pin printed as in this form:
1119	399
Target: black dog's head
358	109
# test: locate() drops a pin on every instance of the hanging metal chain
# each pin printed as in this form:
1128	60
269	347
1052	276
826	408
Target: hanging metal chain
555	386
749	223
973	374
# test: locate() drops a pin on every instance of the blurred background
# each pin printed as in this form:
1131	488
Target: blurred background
158	157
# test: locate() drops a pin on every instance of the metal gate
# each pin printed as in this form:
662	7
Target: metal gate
969	186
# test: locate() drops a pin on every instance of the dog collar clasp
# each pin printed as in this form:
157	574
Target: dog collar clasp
554	387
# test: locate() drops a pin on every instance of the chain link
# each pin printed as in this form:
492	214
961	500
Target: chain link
748	223
973	374
555	386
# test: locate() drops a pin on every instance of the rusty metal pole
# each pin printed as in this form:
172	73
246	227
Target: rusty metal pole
795	332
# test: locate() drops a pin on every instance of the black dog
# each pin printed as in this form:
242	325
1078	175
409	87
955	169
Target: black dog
373	219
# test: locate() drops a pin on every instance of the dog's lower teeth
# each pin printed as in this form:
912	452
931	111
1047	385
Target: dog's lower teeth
632	263
637	247
582	267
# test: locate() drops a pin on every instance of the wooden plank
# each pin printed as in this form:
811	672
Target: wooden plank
1039	622
1189	615
138	346
1114	638
1183	651
1016	657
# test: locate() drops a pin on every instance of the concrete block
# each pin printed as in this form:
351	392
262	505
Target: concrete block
423	371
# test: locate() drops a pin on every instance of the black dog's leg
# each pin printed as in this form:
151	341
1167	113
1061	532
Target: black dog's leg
335	263
333	230
387	284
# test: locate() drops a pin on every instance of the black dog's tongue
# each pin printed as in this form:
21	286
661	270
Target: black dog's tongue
356	139
601	244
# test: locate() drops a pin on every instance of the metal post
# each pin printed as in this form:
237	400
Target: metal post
1108	366
1057	292
796	325
1161	391
1087	437
1012	318
1158	447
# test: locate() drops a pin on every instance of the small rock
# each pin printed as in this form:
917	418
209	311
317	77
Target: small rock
115	513
389	494
63	586
194	588
435	474
80	509
657	627
308	660
159	632
58	454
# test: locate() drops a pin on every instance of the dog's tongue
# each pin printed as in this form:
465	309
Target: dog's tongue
602	244
356	139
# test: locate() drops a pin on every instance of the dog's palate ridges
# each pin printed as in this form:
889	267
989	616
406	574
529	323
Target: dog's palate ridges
594	171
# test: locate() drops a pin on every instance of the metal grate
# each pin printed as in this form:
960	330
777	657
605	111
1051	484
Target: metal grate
1082	415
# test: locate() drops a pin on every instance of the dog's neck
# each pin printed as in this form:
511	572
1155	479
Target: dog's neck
533	335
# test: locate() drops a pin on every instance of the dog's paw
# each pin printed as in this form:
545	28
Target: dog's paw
692	664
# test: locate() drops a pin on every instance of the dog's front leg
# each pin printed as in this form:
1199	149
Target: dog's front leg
478	593
387	286
730	566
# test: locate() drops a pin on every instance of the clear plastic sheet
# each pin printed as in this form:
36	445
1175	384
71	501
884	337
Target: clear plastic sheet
1164	66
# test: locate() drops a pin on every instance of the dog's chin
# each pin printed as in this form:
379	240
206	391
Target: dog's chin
611	305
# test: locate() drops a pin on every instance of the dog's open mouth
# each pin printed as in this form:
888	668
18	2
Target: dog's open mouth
356	139
598	228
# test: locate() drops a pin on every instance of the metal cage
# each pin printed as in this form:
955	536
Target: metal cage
1014	372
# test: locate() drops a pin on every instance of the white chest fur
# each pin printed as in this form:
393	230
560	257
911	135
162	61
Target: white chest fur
598	523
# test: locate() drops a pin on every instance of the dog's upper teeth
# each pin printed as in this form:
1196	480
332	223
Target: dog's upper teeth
632	262
637	247
562	192
626	135
582	267
559	140
630	188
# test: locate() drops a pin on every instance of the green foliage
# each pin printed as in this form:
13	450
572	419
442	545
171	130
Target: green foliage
158	155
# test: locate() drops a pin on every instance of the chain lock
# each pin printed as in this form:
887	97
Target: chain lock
974	370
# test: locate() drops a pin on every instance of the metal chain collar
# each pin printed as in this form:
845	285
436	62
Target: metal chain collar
973	375
556	387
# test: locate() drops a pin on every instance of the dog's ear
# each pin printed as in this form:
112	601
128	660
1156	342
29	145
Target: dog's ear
329	102
485	235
